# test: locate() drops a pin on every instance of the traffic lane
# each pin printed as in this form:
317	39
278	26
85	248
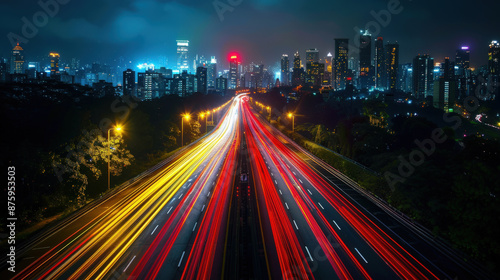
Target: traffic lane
375	266
411	242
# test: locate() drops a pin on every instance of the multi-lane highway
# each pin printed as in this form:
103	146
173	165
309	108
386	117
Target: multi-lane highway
244	202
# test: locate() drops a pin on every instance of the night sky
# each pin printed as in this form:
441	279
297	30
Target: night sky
260	30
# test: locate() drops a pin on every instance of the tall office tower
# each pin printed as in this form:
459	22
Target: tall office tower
445	86
54	64
494	58
221	85
392	59
341	60
329	69
315	74
212	73
129	82
462	71
233	72
423	67
313	68
201	75
285	70
17	60
3	70
312	55
462	60
447	69
380	71
182	55
298	71
365	60
405	77
150	84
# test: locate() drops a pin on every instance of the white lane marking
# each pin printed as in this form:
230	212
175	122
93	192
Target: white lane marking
361	255
336	224
286	204
272	174
181	195
40	248
309	254
195	225
180	261
213	183
295	225
203	208
190	180
276	182
173	199
309	192
281	192
301	181
288	165
208	194
154	230
170	210
321	206
294	173
129	263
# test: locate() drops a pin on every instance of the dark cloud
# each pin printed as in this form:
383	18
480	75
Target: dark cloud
260	30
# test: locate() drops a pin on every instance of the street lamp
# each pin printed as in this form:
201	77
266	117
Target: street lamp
206	121
118	128
187	116
292	116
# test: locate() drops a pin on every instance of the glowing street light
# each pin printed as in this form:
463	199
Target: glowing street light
187	117
292	116
117	128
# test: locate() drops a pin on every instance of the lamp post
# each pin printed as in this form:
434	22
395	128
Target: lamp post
206	121
182	127
118	129
292	116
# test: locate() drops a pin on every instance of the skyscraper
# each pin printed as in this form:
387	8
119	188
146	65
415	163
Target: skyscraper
201	75
405	77
129	82
182	55
298	71
17	60
3	70
54	64
392	58
365	60
423	66
462	60
494	58
212	73
233	72
380	72
285	70
341	60
312	55
463	72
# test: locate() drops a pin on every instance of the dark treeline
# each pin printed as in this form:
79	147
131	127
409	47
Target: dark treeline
453	190
44	125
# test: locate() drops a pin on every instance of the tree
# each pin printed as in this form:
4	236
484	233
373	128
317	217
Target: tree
86	156
194	130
